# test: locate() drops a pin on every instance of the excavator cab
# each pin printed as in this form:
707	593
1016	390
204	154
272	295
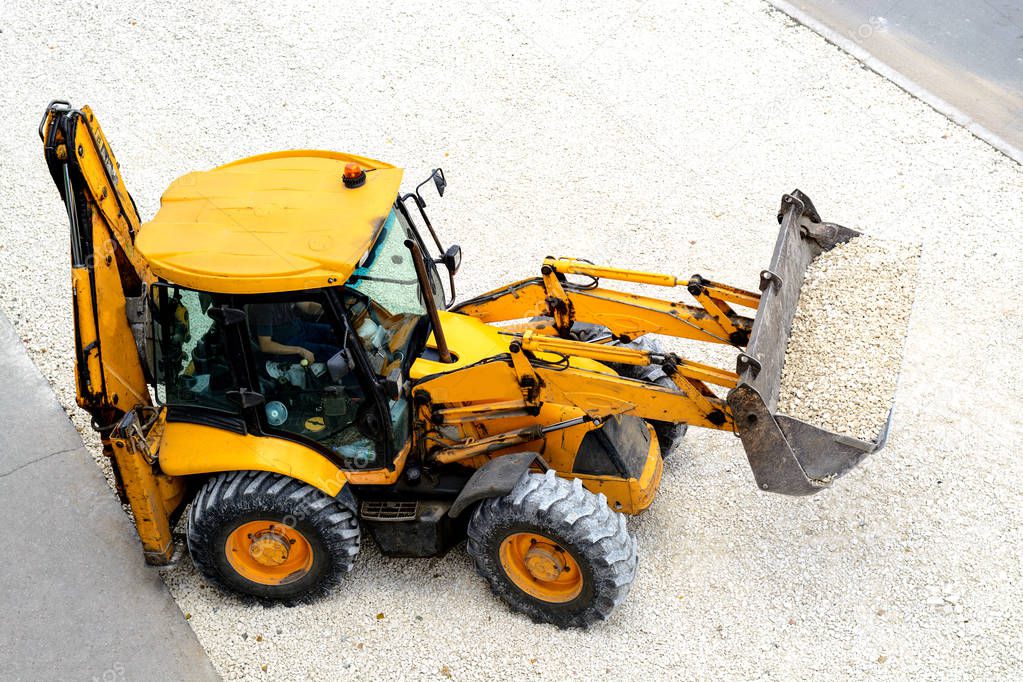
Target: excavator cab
303	365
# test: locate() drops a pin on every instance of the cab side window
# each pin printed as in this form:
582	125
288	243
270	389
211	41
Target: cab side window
308	379
192	366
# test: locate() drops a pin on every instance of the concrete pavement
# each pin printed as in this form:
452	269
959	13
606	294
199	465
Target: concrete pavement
77	600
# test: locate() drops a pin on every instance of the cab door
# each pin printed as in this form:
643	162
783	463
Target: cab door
313	379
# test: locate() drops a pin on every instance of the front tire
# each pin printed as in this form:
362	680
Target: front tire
554	551
271	536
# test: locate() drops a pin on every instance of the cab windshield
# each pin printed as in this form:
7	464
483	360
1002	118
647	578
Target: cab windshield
385	304
387	273
384	298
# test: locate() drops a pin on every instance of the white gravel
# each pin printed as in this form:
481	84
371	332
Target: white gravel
653	135
844	352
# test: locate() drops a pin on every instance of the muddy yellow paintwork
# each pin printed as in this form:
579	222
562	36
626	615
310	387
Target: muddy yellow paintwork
284	222
630	496
475	389
471	341
110	198
190	449
152	495
627	356
88	378
194	449
109	378
123	380
716	290
115	379
275	222
625	314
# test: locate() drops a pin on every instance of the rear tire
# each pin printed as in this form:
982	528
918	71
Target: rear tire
554	551
270	536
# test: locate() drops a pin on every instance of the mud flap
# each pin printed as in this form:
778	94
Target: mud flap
788	455
495	478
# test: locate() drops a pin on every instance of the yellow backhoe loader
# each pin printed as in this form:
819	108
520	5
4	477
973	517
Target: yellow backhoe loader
277	353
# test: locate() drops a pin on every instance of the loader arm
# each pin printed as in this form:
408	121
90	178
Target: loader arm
560	303
786	454
605	395
627	315
109	278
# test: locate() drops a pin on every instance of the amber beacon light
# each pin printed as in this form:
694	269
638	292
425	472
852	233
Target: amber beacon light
354	176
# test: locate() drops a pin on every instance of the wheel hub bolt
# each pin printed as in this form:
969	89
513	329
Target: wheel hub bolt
544	563
270	548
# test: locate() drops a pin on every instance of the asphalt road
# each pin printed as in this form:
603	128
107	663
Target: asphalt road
969	54
77	601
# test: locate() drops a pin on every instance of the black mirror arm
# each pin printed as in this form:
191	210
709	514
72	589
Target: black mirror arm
451	279
439	181
429	226
431	306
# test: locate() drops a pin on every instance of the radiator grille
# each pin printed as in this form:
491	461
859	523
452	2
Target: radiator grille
389	511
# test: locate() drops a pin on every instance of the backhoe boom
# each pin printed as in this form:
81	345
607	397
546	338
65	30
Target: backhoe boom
107	276
105	269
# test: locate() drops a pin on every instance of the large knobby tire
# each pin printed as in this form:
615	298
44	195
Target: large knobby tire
554	551
669	434
271	536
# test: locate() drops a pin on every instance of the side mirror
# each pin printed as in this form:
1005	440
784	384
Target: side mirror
452	258
438	180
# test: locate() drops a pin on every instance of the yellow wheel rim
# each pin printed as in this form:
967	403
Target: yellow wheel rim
269	553
541	568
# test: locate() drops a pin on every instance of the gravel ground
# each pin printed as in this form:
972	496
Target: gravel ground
844	353
653	135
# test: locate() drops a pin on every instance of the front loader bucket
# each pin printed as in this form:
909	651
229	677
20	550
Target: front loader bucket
787	455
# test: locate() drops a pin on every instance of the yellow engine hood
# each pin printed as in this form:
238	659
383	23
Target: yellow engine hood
472	341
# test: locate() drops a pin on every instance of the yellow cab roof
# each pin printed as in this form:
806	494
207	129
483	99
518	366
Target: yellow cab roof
276	222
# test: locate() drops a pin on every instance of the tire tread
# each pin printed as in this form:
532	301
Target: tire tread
227	495
584	522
